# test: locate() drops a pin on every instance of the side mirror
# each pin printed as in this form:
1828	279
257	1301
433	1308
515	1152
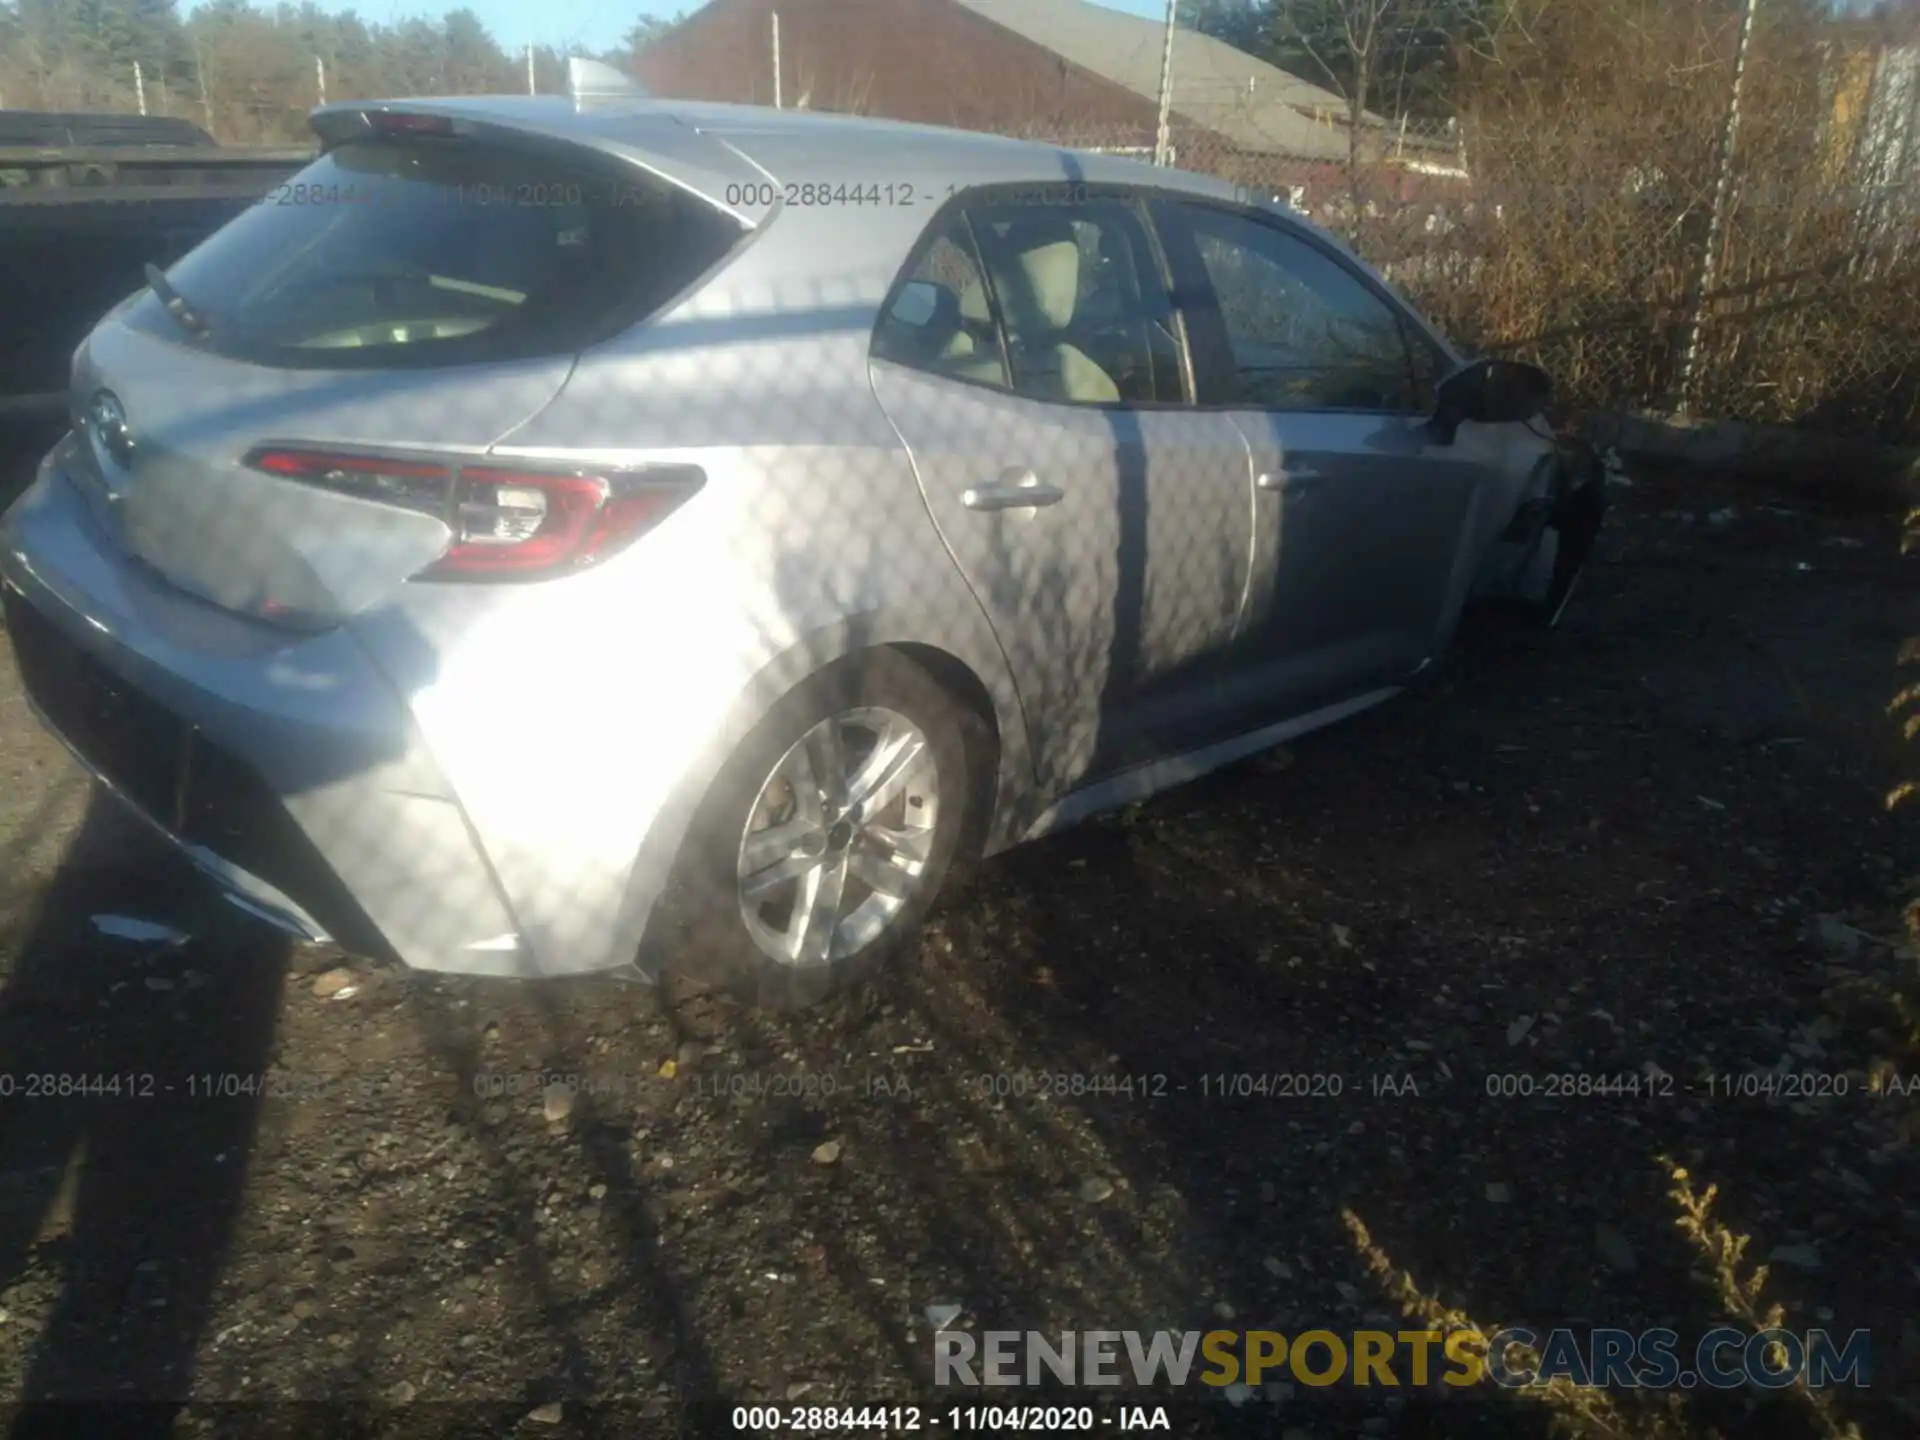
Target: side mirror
1490	392
923	319
917	305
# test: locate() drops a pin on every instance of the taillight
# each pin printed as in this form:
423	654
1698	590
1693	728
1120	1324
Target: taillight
506	524
415	484
518	522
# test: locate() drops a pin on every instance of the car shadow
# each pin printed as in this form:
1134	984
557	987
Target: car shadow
125	1140
138	1020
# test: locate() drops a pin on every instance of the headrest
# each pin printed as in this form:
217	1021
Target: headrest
1039	226
1044	254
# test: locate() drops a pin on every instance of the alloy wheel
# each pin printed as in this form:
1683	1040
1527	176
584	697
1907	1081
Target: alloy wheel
839	836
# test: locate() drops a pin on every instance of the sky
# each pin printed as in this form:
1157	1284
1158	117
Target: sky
567	24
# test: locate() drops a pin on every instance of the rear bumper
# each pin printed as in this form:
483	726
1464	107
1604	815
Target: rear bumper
241	888
284	766
196	795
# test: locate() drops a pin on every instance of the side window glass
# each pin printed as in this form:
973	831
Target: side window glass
940	320
1085	312
1430	367
1305	332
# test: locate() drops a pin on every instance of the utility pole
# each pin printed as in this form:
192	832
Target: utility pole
776	61
139	88
320	78
1163	137
530	89
775	17
1717	224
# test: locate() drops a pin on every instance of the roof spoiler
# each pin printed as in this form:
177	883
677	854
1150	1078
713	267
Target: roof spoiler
591	80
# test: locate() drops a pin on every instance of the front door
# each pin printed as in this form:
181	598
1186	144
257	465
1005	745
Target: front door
1361	512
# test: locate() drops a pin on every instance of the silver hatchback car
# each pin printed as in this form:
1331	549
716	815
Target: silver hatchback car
565	535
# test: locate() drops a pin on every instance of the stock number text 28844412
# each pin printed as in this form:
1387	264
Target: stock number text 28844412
805	194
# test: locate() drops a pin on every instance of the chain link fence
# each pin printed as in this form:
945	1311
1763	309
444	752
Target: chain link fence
1566	215
1584	246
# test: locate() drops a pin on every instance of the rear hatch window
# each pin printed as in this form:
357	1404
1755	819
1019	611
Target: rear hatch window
435	251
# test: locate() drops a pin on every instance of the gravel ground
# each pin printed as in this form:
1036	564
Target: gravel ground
1599	849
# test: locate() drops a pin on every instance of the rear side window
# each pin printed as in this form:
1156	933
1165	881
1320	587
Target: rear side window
942	320
1087	314
430	251
1059	302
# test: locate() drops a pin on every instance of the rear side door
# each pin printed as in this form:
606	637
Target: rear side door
1032	365
1360	513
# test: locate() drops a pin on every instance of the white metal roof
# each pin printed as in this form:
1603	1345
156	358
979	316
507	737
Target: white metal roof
1255	105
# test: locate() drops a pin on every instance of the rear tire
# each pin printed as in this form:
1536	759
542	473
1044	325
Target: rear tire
826	836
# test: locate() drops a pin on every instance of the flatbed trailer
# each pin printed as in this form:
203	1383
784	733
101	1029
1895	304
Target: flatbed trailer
86	202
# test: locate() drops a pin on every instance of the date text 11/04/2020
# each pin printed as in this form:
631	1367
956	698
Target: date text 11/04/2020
988	1419
535	195
1656	1084
992	1087
199	1085
899	194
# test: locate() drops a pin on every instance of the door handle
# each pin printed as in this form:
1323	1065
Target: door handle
1020	490
1289	482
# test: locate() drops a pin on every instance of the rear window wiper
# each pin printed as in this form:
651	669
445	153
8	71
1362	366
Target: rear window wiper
175	303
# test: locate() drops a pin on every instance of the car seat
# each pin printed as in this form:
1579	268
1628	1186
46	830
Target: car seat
1035	266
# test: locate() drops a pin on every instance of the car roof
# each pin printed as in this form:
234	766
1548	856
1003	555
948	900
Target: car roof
726	153
722	152
801	146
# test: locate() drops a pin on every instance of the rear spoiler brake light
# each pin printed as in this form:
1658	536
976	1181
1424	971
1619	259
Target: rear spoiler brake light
338	125
403	122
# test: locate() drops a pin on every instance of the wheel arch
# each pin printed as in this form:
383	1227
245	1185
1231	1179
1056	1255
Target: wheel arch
975	674
984	747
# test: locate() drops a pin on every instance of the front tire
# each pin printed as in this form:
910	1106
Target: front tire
1577	520
826	836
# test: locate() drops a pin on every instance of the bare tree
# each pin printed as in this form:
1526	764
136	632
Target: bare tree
1358	48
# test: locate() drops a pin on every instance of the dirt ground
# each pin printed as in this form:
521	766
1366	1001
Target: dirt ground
1594	851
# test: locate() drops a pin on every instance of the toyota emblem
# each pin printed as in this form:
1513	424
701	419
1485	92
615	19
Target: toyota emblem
107	423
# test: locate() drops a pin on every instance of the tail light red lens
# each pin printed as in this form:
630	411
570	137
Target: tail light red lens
414	484
507	524
518	522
